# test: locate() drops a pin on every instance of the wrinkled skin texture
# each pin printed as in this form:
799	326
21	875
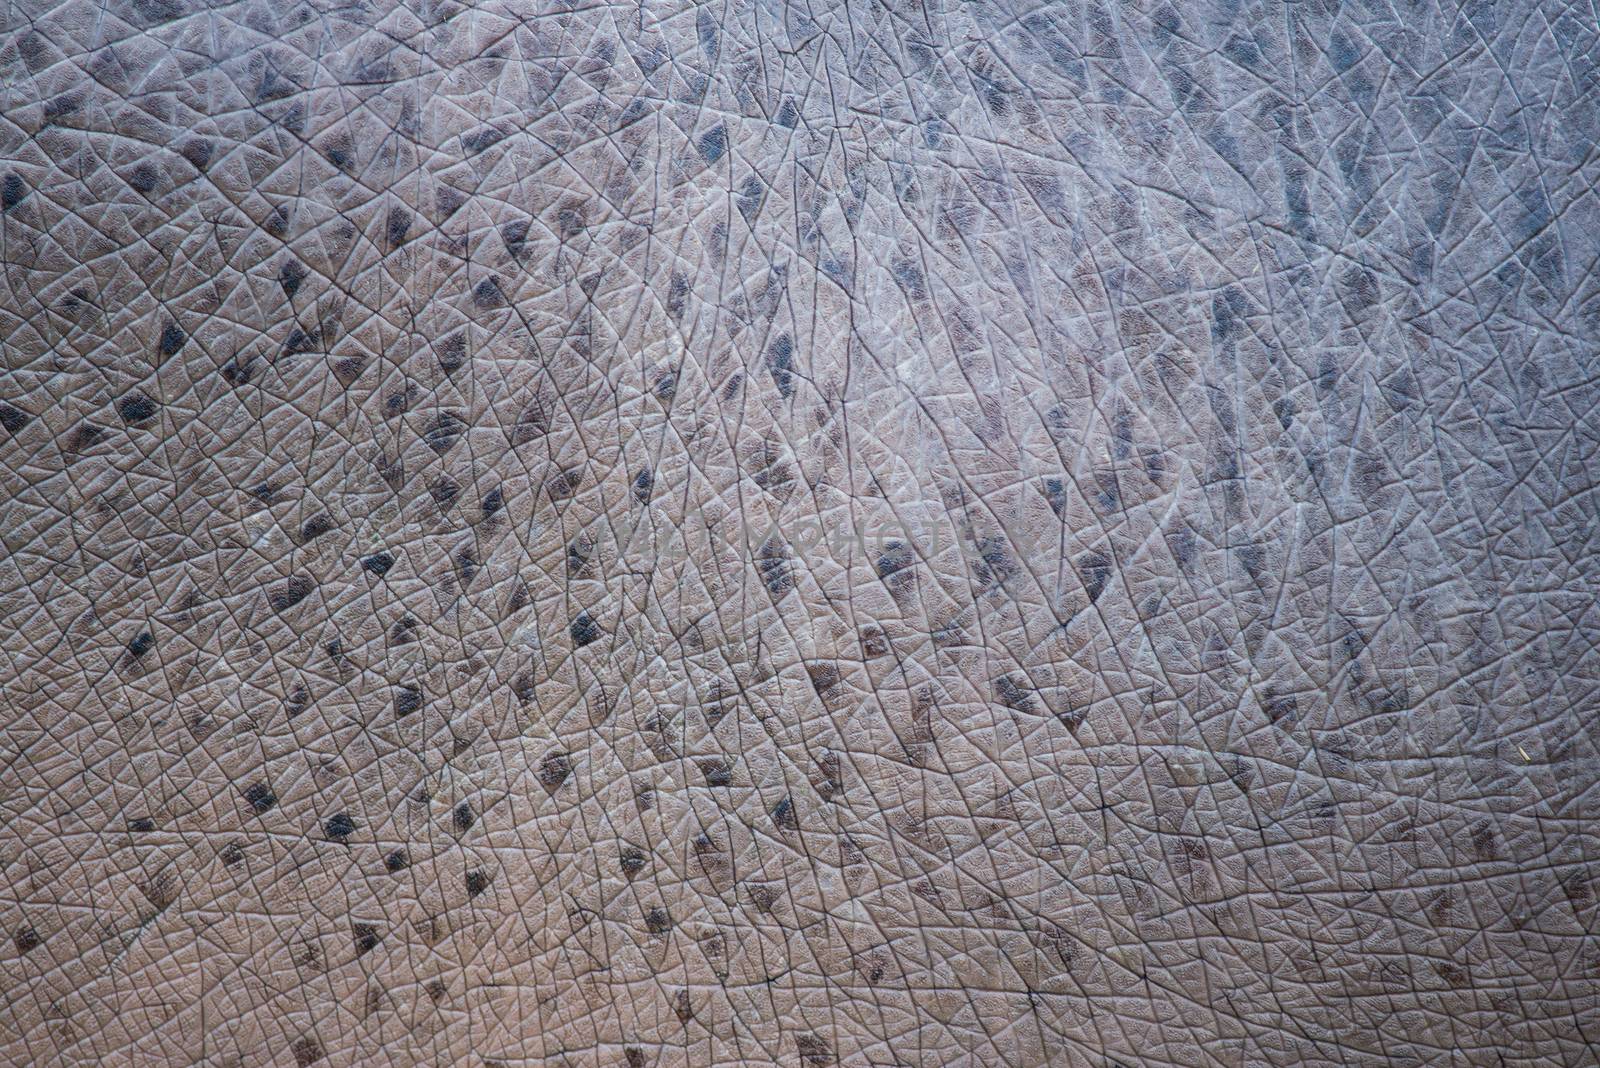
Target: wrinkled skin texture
419	642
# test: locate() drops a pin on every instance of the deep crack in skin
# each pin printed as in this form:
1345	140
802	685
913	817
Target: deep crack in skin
879	534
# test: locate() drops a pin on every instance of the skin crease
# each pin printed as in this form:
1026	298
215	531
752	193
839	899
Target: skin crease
877	534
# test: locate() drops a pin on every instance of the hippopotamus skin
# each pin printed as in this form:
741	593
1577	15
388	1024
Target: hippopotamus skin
759	533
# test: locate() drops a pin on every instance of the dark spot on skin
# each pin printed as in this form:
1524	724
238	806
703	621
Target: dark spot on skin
286	595
444	492
911	279
1577	889
300	341
273	86
564	485
396	861
632	861
339	828
1485	846
772	560
783	816
277	221
299	700
366	938
453	353
1012	695
1282	710
403	631
578	552
261	797
994	561
85	436
658	921
314	527
436	988
12	419
172	340
677	294
157	11
553	771
1093	571
442	435
493	501
136	408
1253	558
1109	496
713	143
584	630
142	824
60	107
231	855
634	1056
463	818
829	780
894	567
144	178
706	30
824	677
397	227
788	115
751	194
12	190
239	370
198	151
519	597
26	938
488	295
1055	492
515	236
481	139
477	883
290	275
349	369
141	644
717	772
407	699
780	360
532	424
448	201
813	1049
643	483
378	563
1394	702
307	1051
570	221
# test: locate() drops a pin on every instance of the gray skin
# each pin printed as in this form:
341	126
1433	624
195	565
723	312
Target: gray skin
748	533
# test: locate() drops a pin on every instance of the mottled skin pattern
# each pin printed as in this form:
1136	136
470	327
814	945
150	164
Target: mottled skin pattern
758	533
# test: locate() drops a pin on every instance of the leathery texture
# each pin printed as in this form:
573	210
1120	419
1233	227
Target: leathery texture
761	533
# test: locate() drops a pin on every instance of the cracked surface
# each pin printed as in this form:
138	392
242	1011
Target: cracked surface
798	534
